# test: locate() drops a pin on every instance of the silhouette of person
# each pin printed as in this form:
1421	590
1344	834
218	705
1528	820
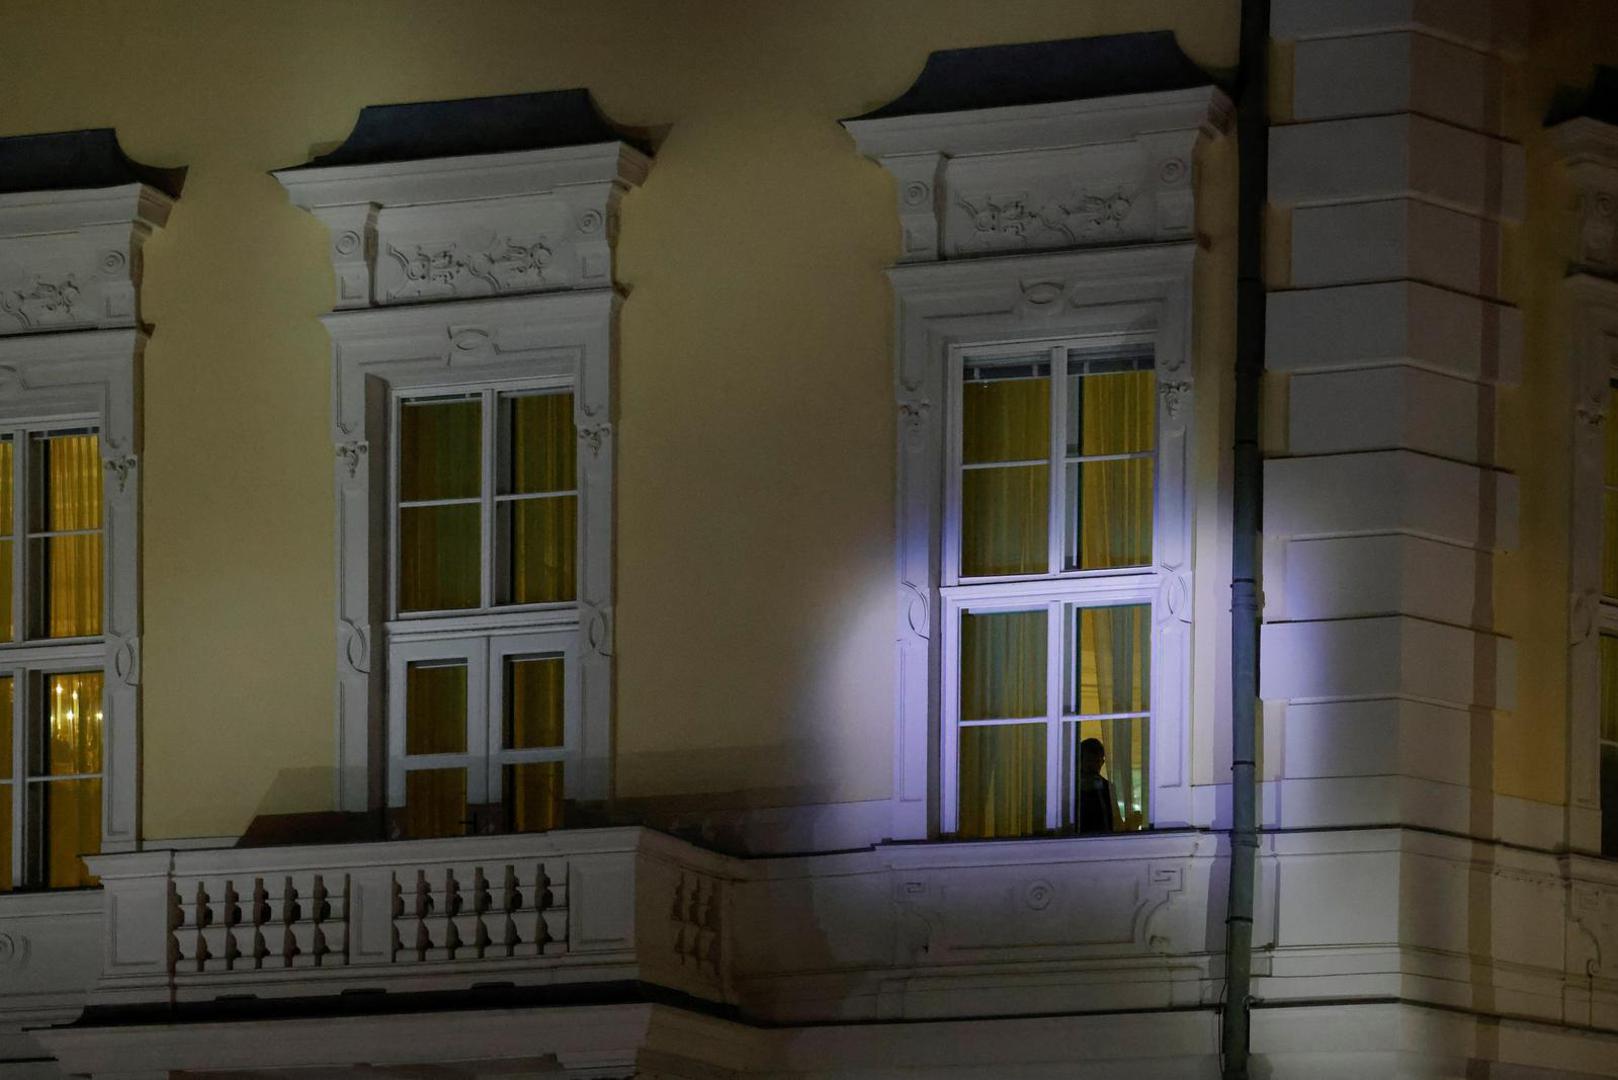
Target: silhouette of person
1095	792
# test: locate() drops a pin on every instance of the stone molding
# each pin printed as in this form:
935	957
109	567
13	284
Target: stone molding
1588	149
1105	171
71	260
469	227
522	241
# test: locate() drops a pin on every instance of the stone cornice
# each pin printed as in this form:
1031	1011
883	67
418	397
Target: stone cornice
1095	172
475	226
71	259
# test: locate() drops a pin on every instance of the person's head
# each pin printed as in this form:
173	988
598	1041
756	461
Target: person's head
1092	755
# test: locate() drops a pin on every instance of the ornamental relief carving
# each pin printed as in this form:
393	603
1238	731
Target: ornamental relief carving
443	269
1009	220
43	302
1598	231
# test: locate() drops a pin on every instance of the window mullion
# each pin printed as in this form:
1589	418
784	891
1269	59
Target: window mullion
19	764
1054	652
491	424
1056	532
21	520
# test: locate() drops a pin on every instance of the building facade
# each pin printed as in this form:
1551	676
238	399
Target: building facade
695	541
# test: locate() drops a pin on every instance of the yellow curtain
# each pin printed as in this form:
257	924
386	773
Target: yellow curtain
534	702
543	532
435	708
1609	688
441	547
7	526
1609	501
1115	650
66	813
1002	766
435	723
435	803
1117	415
1005	512
533	796
72	564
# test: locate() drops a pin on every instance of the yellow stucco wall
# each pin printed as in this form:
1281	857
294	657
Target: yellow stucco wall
757	426
1568	38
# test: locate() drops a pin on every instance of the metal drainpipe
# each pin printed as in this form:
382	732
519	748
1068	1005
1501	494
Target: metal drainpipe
1252	125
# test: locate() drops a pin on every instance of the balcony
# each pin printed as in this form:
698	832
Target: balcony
607	905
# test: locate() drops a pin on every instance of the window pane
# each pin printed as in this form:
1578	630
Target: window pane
7	747
67	469
1005	516
1611	429
534	702
1112	660
1609	688
5	838
435	709
441	449
1003	665
1609	800
435	803
1006	417
533	795
539	443
440	557
69	585
7	557
1108	765
7	496
1002	780
541	539
1609	538
1109	522
64	822
73	738
1111	414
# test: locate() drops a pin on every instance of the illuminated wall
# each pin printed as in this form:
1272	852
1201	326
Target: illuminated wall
757	428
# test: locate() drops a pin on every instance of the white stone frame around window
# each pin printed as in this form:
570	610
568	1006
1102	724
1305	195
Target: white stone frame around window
1593	307
1139	292
89	377
556	338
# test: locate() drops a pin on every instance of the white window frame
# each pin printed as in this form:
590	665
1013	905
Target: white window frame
66	380
485	655
558	340
1139	293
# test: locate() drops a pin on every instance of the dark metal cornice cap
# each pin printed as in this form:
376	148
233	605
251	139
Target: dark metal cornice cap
75	160
1043	72
1599	102
487	125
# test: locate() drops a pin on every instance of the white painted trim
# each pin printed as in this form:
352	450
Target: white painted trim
945	306
95	372
556	335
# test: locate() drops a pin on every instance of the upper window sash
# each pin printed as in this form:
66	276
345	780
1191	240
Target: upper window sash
494	499
1062	365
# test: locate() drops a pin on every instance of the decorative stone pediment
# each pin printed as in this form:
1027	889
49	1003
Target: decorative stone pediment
1076	143
453	200
74	214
